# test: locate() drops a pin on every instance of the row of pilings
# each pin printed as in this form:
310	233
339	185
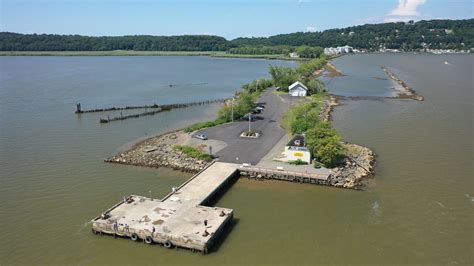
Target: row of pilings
155	109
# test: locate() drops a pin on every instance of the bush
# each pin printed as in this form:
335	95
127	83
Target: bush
307	69
298	162
243	104
193	152
258	85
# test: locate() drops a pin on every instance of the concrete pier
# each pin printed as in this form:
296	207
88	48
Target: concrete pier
178	220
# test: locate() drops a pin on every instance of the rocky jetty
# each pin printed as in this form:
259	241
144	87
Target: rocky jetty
407	92
357	165
329	103
159	152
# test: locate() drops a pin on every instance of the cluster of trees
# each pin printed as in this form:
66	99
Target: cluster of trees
52	42
306	51
242	104
303	51
323	141
430	34
325	144
284	76
258	85
261	50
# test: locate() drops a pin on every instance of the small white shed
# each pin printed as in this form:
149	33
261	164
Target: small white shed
296	149
297	89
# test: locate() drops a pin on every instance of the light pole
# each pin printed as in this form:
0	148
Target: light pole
250	117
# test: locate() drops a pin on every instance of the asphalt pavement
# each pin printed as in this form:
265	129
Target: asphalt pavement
247	150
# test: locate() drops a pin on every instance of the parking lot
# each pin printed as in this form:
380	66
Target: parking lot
247	150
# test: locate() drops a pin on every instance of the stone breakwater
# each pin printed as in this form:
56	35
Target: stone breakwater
407	92
158	152
357	165
359	160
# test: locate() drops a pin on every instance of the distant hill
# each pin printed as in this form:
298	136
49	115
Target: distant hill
52	42
433	34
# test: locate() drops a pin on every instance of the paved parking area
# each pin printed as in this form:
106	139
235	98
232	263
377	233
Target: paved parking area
246	150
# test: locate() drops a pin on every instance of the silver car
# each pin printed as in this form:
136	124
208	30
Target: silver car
201	136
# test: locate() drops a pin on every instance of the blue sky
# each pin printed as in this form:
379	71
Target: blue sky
229	19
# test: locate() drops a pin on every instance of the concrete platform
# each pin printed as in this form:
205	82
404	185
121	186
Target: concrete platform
177	220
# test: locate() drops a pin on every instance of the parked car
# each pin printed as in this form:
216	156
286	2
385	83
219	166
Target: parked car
256	111
246	118
201	136
260	107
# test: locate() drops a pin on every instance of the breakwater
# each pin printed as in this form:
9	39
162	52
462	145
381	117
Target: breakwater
408	92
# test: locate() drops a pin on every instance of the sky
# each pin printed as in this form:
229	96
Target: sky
227	18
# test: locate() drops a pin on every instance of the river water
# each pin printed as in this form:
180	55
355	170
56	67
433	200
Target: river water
417	209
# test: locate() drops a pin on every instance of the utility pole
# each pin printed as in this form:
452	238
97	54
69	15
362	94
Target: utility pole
232	108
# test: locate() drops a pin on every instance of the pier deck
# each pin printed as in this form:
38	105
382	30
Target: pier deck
179	219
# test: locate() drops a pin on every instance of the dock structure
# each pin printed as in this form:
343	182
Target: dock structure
181	218
178	220
284	175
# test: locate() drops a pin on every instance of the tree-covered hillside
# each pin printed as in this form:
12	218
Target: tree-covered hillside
432	34
51	42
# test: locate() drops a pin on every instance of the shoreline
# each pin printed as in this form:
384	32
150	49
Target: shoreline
157	151
217	54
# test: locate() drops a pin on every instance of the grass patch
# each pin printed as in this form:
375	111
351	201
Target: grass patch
207	124
193	152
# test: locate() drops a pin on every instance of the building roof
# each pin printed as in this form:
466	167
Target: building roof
297	139
296	84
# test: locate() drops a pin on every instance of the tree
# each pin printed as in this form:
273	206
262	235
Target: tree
283	76
325	144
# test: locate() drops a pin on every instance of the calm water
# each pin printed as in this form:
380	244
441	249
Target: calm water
418	209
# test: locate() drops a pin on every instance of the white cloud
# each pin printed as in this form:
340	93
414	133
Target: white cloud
406	10
311	29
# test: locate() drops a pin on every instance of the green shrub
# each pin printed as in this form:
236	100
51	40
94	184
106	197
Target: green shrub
298	162
193	152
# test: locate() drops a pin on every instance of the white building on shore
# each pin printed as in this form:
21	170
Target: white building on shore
298	89
296	149
338	50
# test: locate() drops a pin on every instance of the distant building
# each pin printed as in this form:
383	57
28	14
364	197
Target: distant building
298	89
338	50
294	55
296	149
